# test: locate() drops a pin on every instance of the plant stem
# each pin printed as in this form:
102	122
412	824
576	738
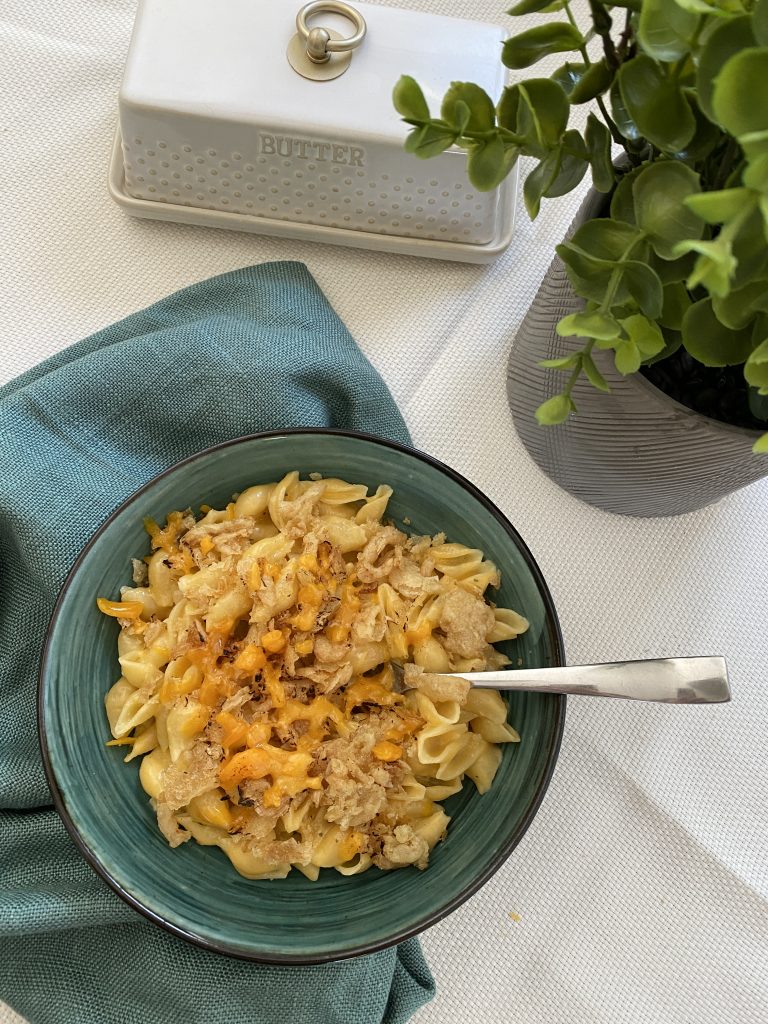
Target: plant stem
730	153
574	23
613	282
585	351
699	29
616	135
611	124
602	22
624	38
504	133
677	68
605	307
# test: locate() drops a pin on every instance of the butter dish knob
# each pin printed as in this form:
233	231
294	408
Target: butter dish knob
317	45
319	53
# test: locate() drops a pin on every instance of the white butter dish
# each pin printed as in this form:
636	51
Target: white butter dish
217	128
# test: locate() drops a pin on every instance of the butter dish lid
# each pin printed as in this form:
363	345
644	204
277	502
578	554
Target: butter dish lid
227	61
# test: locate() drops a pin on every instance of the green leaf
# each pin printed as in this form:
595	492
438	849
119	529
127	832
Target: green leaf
672	342
756	366
542	115
409	100
592	254
750	251
554	410
727	39
413	139
714	267
719	7
569	76
760	22
676	302
595	378
740	99
759	329
482	115
606	238
717	207
607	344
532	6
672	271
526	48
589	276
758	403
621	116
754	144
760	447
485	164
589	325
583	262
572	165
644	286
461	115
665	30
595	80
511	155
711	342
563	363
739	307
659	192
598	143
622	201
538	181
705	137
429	140
756	174
656	104
627	358
507	109
644	335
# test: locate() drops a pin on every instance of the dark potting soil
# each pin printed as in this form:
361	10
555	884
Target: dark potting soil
718	392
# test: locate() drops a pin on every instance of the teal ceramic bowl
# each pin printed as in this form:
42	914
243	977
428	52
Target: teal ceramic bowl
193	891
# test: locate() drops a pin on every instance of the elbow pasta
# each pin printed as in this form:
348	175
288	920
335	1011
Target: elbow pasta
257	688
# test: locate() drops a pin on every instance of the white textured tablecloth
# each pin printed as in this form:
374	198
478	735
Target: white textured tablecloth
642	885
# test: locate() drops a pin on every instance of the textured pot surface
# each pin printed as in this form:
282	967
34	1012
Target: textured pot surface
634	451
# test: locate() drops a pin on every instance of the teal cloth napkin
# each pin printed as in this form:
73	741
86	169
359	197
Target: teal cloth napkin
256	349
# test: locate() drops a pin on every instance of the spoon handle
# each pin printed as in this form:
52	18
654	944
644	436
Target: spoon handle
667	680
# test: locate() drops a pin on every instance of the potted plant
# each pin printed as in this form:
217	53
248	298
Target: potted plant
652	324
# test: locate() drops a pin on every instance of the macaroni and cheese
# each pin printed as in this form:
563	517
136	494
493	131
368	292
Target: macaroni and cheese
257	688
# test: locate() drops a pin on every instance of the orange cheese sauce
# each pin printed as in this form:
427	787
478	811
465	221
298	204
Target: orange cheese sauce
287	769
167	537
119	609
418	635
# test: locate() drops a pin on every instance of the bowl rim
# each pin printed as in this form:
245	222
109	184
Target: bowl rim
432	918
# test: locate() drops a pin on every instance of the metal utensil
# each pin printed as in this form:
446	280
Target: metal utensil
701	680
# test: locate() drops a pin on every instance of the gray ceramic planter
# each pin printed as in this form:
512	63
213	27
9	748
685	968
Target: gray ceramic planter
634	451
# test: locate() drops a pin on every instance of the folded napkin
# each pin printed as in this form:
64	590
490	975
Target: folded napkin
256	349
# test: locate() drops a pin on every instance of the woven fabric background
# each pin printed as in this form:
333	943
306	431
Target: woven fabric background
642	886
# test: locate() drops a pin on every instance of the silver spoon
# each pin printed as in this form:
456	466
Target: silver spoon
667	680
